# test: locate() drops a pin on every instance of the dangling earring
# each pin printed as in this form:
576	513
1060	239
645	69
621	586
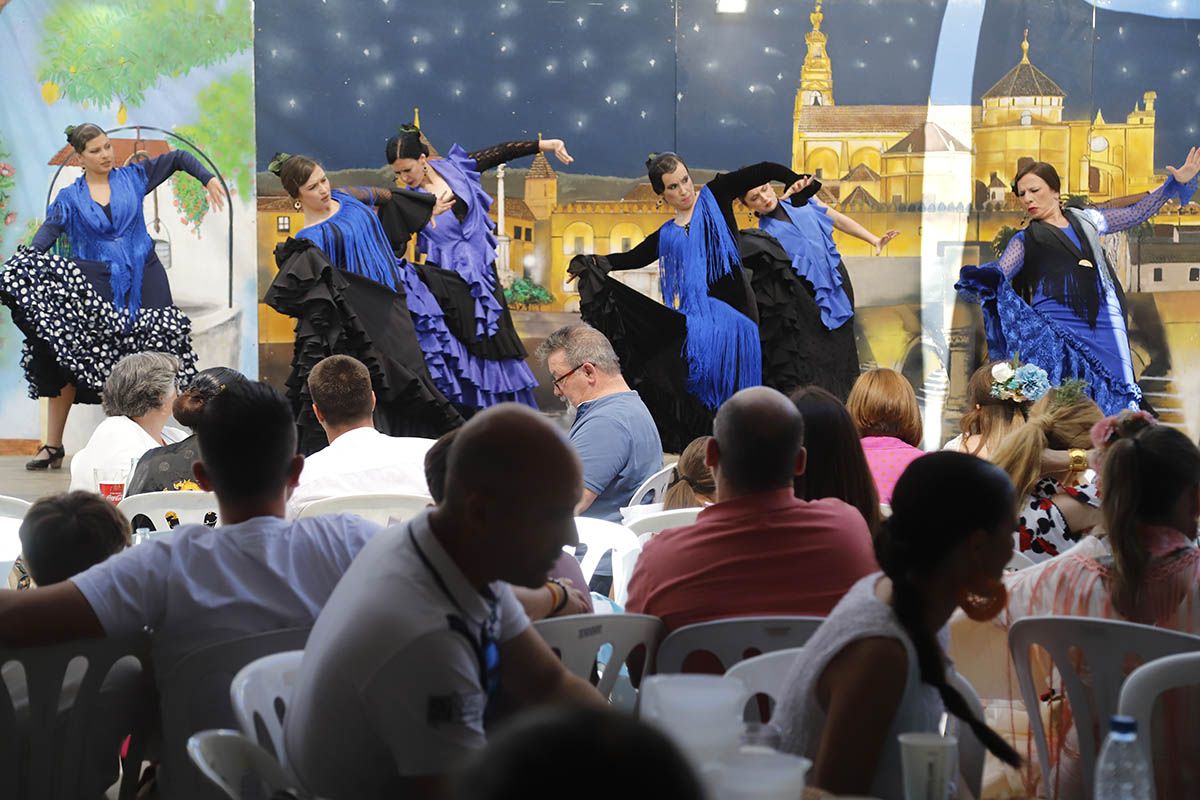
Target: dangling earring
984	603
658	203
297	205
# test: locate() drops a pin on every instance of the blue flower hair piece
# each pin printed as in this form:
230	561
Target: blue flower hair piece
1019	383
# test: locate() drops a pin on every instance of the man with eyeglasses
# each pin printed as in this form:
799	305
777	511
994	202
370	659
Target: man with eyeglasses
423	633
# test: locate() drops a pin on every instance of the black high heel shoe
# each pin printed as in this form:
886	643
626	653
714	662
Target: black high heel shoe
56	455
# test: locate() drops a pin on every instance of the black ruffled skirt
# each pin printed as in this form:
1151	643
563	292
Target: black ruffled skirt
73	332
338	312
798	350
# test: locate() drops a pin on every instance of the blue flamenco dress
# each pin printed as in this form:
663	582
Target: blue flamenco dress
1046	328
460	250
82	313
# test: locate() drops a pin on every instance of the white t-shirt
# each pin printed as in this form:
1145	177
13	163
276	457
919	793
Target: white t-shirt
362	461
117	442
387	688
201	585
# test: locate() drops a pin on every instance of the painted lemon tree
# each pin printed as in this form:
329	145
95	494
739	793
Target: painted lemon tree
108	55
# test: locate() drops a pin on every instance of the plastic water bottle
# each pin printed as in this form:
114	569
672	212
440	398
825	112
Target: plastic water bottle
1122	772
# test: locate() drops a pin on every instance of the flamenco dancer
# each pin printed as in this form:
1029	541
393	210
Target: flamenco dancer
1053	298
807	306
350	294
110	298
688	357
459	244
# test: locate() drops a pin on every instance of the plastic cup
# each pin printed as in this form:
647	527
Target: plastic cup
110	482
928	761
757	776
760	737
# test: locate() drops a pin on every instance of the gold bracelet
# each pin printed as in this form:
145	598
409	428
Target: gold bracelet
1079	459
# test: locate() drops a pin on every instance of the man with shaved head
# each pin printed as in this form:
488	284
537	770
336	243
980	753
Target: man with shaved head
758	550
423	630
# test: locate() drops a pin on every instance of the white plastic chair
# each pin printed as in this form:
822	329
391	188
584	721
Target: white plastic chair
653	523
731	640
600	536
971	752
654	487
237	766
1018	560
1144	685
1104	645
260	693
12	511
577	640
190	506
766	675
48	746
383	509
194	696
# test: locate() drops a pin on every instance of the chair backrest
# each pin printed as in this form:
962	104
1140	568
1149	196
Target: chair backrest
971	752
601	536
653	523
194	696
191	507
766	674
236	765
578	639
1018	560
654	487
260	694
1104	645
384	509
61	706
733	640
13	507
1144	685
12	511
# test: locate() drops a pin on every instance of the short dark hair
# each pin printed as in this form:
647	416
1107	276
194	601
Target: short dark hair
79	135
63	535
1045	171
660	164
759	435
405	144
437	460
541	748
247	440
340	386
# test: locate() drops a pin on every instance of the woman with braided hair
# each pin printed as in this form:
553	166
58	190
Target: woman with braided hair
875	667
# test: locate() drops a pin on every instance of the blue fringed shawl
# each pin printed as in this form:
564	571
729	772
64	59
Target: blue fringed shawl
354	240
723	351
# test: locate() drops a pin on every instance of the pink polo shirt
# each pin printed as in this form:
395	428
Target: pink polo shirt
763	554
887	457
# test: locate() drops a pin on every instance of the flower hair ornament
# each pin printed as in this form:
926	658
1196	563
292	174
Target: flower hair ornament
1017	382
276	165
1110	429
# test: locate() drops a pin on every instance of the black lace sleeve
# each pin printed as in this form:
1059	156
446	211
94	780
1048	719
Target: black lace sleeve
502	153
369	195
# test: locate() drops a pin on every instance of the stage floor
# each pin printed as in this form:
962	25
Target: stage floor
16	481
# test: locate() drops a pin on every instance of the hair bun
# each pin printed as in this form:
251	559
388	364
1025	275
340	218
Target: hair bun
276	165
68	131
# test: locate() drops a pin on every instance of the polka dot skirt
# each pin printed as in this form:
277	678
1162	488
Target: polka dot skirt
65	320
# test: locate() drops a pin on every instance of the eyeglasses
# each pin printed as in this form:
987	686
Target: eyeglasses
558	381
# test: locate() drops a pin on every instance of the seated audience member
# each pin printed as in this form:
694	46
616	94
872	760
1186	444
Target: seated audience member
169	468
989	418
692	484
1140	565
61	536
137	401
874	669
200	585
424	630
1054	510
561	595
613	432
759	550
359	459
833	447
885	412
542	749
65	534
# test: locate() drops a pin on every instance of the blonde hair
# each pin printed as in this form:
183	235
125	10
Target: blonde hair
692	483
989	419
1053	424
883	403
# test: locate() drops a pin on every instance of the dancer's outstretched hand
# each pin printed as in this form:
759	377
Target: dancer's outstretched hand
1189	169
216	196
883	240
559	149
797	187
